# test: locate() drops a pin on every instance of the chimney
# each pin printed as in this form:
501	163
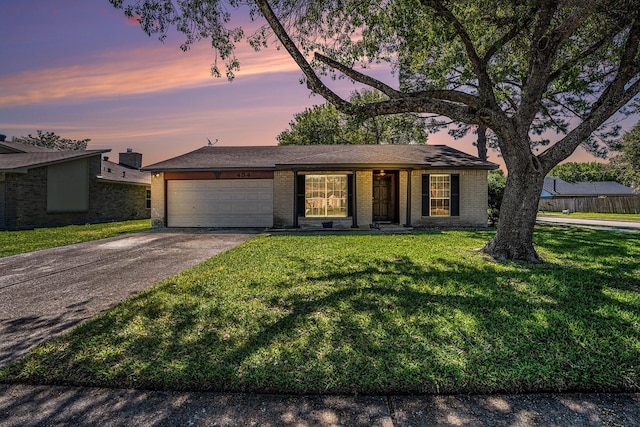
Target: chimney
2	137
130	159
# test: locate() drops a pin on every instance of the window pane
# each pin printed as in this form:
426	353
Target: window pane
326	195
440	189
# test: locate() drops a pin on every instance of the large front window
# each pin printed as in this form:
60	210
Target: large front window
326	195
440	195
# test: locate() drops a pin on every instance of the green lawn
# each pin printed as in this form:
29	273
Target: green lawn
417	313
594	215
18	242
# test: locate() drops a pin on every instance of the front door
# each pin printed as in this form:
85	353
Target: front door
383	194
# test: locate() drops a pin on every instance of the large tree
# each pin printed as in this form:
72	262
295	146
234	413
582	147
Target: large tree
324	124
53	141
523	69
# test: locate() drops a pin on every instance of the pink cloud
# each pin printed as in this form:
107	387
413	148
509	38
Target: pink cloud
138	71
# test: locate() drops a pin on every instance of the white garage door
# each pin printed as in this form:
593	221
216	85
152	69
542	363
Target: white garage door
220	203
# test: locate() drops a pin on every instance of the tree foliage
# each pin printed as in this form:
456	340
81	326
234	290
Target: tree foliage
324	124
522	69
585	172
53	141
627	163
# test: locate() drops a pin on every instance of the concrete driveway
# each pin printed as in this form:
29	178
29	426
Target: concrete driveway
44	294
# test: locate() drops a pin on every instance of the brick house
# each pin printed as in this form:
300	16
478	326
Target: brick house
40	187
351	186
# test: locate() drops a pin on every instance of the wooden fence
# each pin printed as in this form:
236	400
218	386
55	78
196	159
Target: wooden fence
613	204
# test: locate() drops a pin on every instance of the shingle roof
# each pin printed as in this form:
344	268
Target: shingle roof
18	157
558	187
314	156
20	162
113	172
19	147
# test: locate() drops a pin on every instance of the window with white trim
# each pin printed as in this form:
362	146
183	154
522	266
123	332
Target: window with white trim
440	195
325	195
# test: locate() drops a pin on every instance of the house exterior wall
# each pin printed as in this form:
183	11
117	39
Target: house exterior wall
26	200
158	201
473	200
474	191
364	196
283	198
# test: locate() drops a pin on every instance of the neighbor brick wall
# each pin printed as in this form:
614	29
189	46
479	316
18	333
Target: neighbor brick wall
26	200
473	199
119	202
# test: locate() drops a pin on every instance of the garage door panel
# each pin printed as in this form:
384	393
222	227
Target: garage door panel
224	203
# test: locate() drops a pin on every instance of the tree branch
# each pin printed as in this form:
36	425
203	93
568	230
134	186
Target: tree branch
359	77
583	55
510	35
313	81
484	81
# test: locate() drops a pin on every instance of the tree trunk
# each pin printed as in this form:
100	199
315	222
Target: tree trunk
514	238
482	142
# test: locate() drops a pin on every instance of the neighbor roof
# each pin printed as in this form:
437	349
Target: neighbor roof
328	156
114	172
21	159
558	187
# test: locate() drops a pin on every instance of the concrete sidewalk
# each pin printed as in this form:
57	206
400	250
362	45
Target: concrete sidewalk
591	223
22	405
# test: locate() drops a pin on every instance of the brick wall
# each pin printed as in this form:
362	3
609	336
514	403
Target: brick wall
283	198
26	201
118	202
364	196
473	199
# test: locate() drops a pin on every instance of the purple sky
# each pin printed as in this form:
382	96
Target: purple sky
80	69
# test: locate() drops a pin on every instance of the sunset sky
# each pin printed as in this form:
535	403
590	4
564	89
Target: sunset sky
80	69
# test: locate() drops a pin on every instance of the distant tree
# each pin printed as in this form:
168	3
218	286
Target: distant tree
497	183
324	124
627	163
51	140
584	172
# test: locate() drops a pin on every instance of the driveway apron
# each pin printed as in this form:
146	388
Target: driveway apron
44	294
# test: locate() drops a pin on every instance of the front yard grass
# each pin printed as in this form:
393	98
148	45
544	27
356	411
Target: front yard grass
18	242
371	314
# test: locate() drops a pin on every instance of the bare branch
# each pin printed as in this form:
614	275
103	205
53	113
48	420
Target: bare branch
359	77
313	81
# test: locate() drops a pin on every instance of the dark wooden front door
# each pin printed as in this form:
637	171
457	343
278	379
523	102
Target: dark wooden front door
383	194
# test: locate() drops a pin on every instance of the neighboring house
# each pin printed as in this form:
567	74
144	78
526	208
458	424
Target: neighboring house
305	186
41	187
605	197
